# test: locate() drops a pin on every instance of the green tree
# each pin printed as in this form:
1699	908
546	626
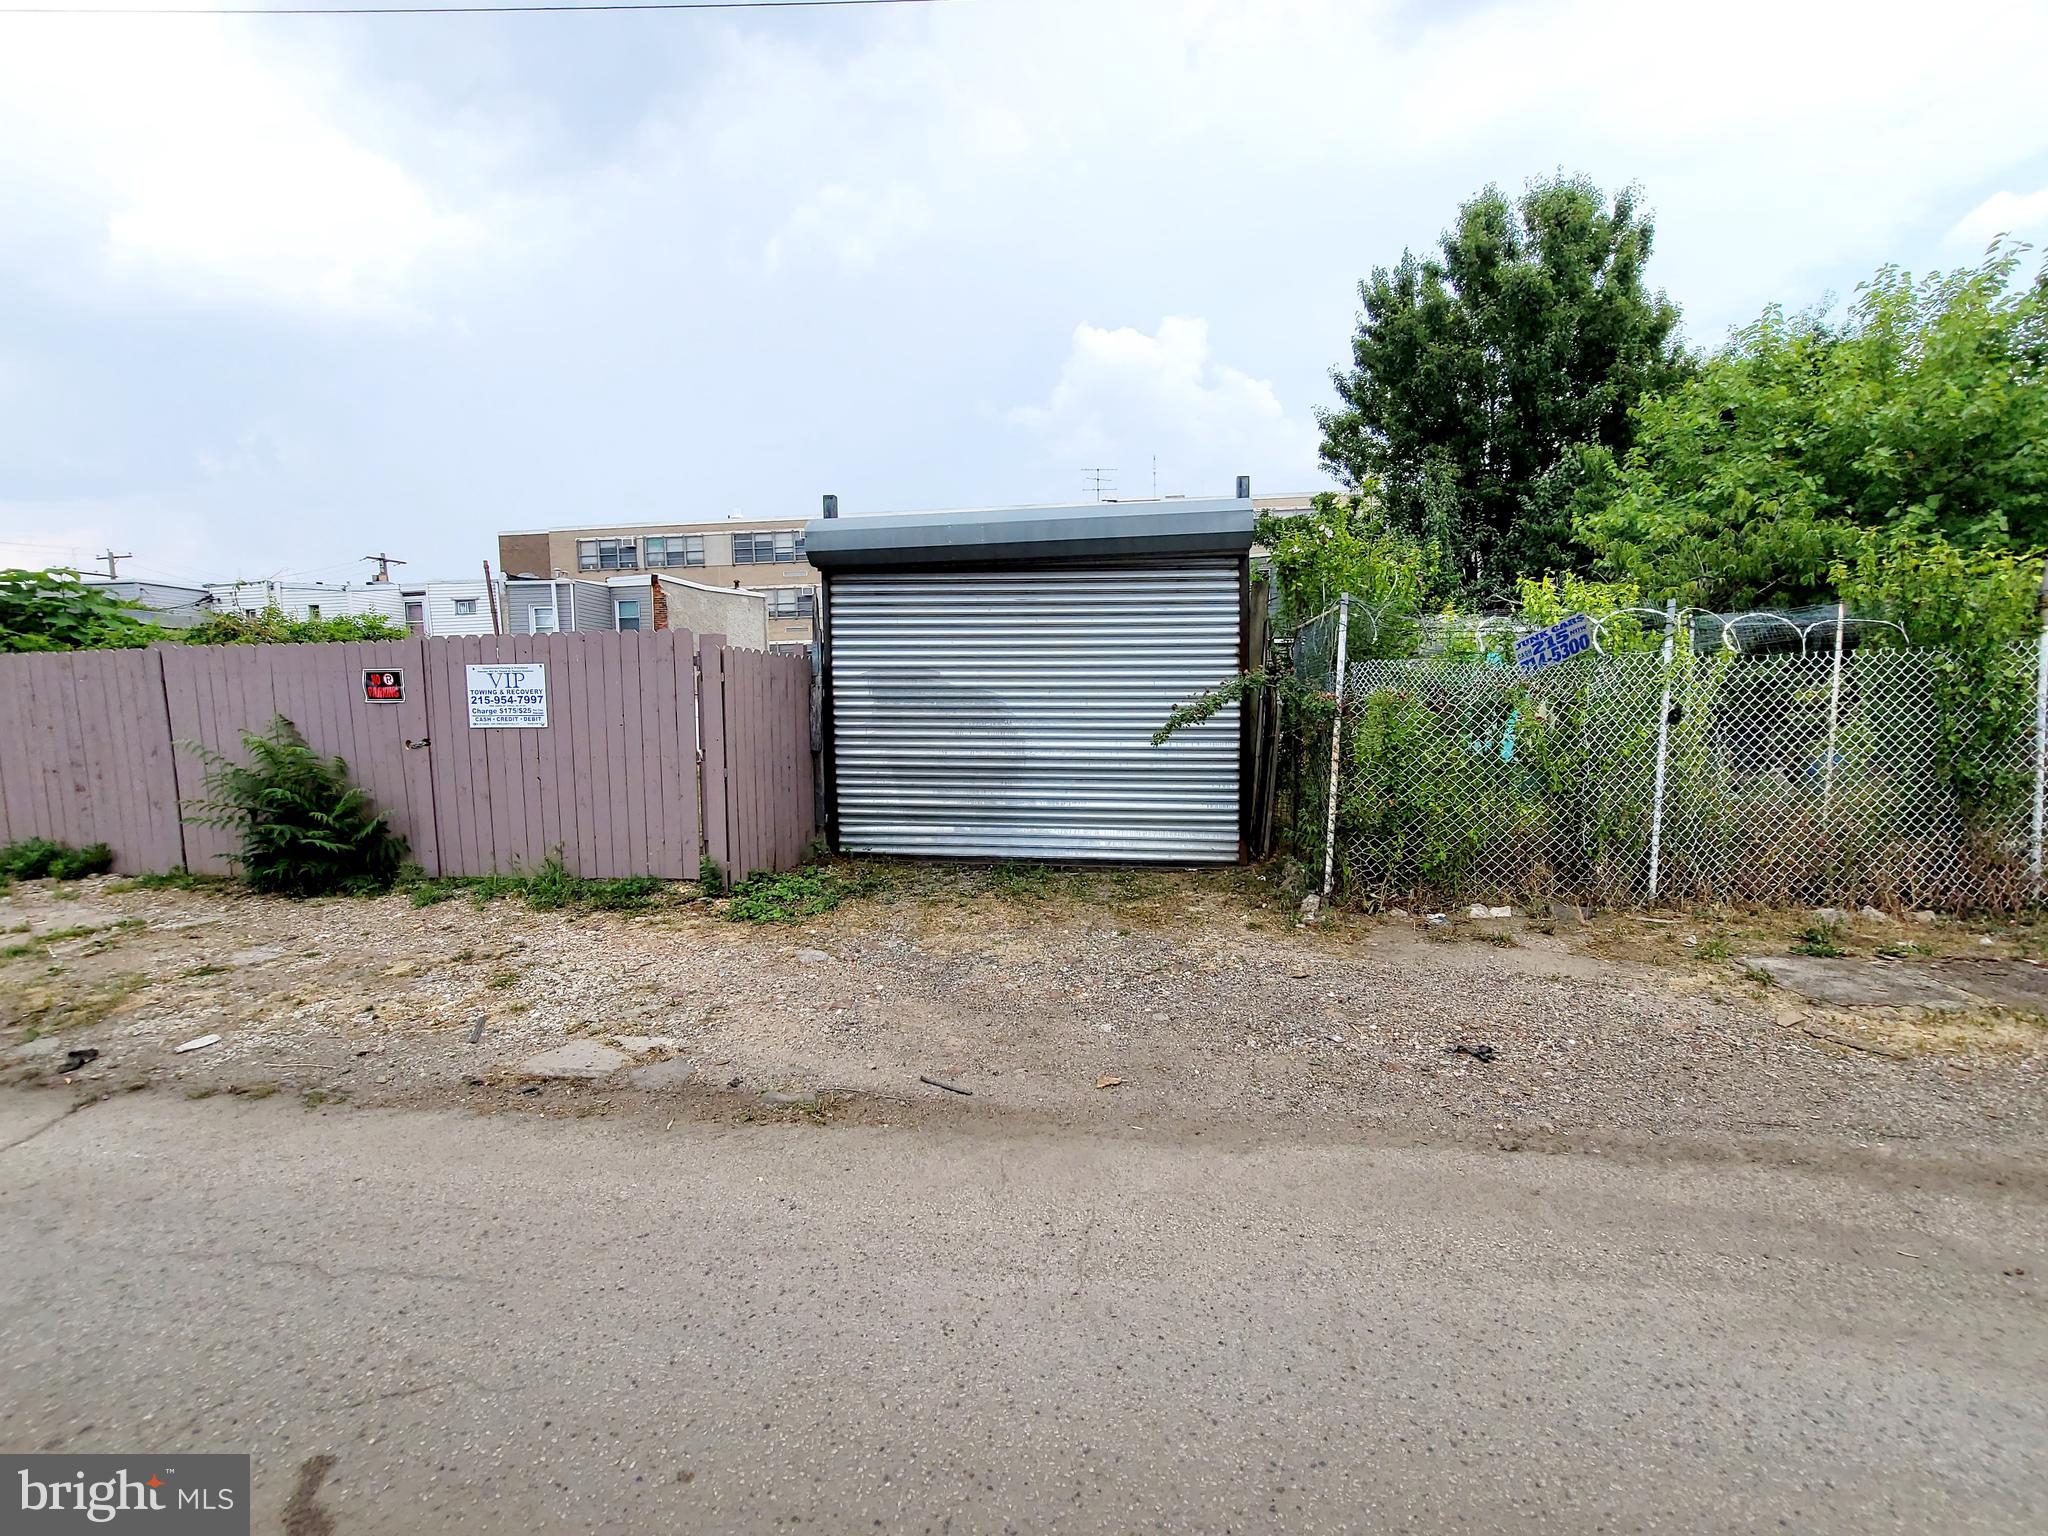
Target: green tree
1922	412
1477	379
274	626
56	611
1345	544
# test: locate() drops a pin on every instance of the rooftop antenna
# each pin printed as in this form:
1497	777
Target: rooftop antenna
384	564
112	559
1099	479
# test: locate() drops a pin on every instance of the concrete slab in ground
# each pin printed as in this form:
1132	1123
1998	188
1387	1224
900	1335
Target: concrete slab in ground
1858	983
2009	983
575	1060
659	1075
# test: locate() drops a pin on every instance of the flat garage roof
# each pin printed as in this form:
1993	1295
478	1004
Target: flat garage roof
1096	528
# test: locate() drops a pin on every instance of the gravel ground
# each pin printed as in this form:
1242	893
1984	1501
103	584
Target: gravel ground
1159	1004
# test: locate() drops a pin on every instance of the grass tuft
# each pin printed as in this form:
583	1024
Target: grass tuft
790	898
551	888
1821	940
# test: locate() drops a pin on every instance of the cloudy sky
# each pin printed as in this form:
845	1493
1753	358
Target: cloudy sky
279	291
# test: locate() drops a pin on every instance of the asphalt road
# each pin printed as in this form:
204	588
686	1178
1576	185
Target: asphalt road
528	1324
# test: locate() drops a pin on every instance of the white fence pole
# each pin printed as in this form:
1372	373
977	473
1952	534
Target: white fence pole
2040	730
1827	787
1663	749
1336	741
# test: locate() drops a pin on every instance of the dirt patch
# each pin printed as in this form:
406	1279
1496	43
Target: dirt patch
303	1515
1214	1011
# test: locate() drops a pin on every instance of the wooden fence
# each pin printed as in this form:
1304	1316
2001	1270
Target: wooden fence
104	746
759	814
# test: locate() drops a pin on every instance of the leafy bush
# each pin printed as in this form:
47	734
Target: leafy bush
765	898
55	611
1345	544
1978	606
1921	411
38	858
1420	796
305	830
274	626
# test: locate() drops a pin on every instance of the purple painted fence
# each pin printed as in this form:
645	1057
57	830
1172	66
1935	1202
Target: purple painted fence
217	692
759	813
85	755
612	780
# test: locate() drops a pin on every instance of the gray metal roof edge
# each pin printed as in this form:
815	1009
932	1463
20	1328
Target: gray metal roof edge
1029	533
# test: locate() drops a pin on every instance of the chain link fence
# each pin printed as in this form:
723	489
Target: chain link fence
1466	776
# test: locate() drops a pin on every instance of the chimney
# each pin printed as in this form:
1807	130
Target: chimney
1244	487
831	505
657	605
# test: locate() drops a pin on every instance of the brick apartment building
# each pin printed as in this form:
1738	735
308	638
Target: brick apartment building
765	554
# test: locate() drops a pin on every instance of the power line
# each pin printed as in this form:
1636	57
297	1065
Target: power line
446	10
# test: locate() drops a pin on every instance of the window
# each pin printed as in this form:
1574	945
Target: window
767	548
541	619
675	549
465	607
792	602
313	613
607	555
416	615
629	613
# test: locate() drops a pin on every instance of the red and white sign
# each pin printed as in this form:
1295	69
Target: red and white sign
384	687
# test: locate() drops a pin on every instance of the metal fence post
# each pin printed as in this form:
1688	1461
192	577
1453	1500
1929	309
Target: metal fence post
1663	749
1336	741
1827	784
2040	730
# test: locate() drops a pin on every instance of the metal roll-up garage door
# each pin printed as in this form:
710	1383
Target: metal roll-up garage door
1010	712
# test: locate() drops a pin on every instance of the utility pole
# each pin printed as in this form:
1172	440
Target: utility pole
384	564
112	559
1098	478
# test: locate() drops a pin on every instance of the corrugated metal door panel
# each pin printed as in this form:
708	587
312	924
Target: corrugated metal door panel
1010	713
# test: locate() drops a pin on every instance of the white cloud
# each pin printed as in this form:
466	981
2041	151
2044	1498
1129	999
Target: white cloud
1124	395
159	540
2002	213
210	163
850	225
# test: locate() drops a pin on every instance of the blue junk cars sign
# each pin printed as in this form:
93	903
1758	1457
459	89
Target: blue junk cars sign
1560	642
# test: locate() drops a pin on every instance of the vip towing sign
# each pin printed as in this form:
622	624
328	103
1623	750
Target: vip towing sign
508	696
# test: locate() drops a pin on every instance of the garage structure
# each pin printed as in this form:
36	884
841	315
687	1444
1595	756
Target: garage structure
993	680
